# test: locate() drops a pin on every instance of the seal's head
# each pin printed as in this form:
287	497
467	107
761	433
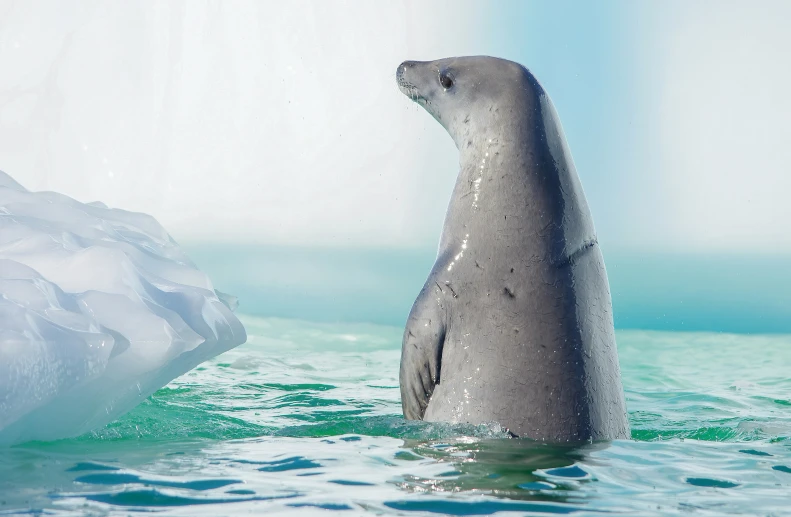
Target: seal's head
468	95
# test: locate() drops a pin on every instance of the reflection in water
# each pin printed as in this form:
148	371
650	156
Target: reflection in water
507	468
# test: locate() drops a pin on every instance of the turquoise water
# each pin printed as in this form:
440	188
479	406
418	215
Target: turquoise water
718	292
305	419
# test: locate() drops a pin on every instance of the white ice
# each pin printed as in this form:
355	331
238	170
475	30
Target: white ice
99	308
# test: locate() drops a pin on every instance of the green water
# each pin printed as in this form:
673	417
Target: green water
305	419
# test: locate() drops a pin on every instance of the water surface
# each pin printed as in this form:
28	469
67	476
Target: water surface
305	419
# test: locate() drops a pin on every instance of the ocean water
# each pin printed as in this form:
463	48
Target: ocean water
305	419
742	293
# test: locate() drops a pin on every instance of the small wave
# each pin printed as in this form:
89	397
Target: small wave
395	426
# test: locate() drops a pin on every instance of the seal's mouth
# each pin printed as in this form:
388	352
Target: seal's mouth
410	90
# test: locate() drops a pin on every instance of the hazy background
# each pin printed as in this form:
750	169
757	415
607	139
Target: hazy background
271	140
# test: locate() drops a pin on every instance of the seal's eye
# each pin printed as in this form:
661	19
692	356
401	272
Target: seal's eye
445	80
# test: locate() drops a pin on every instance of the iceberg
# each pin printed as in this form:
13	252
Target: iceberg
99	308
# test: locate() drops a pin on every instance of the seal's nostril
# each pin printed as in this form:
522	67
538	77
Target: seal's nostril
406	64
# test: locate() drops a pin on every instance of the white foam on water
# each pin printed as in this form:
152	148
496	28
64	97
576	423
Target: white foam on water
99	308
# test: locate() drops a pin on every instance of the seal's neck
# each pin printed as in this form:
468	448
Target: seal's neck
518	180
479	151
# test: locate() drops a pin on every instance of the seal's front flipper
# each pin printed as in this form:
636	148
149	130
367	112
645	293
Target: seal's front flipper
421	352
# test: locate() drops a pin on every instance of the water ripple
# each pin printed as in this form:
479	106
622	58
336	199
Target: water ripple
306	418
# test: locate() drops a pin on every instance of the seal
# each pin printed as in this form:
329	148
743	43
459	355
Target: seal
514	323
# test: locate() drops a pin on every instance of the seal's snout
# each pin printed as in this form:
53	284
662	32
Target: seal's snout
404	80
401	72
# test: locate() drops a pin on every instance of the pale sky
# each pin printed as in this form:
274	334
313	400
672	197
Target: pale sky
280	122
724	120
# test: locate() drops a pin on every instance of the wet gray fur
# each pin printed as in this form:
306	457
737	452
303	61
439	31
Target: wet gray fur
514	323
